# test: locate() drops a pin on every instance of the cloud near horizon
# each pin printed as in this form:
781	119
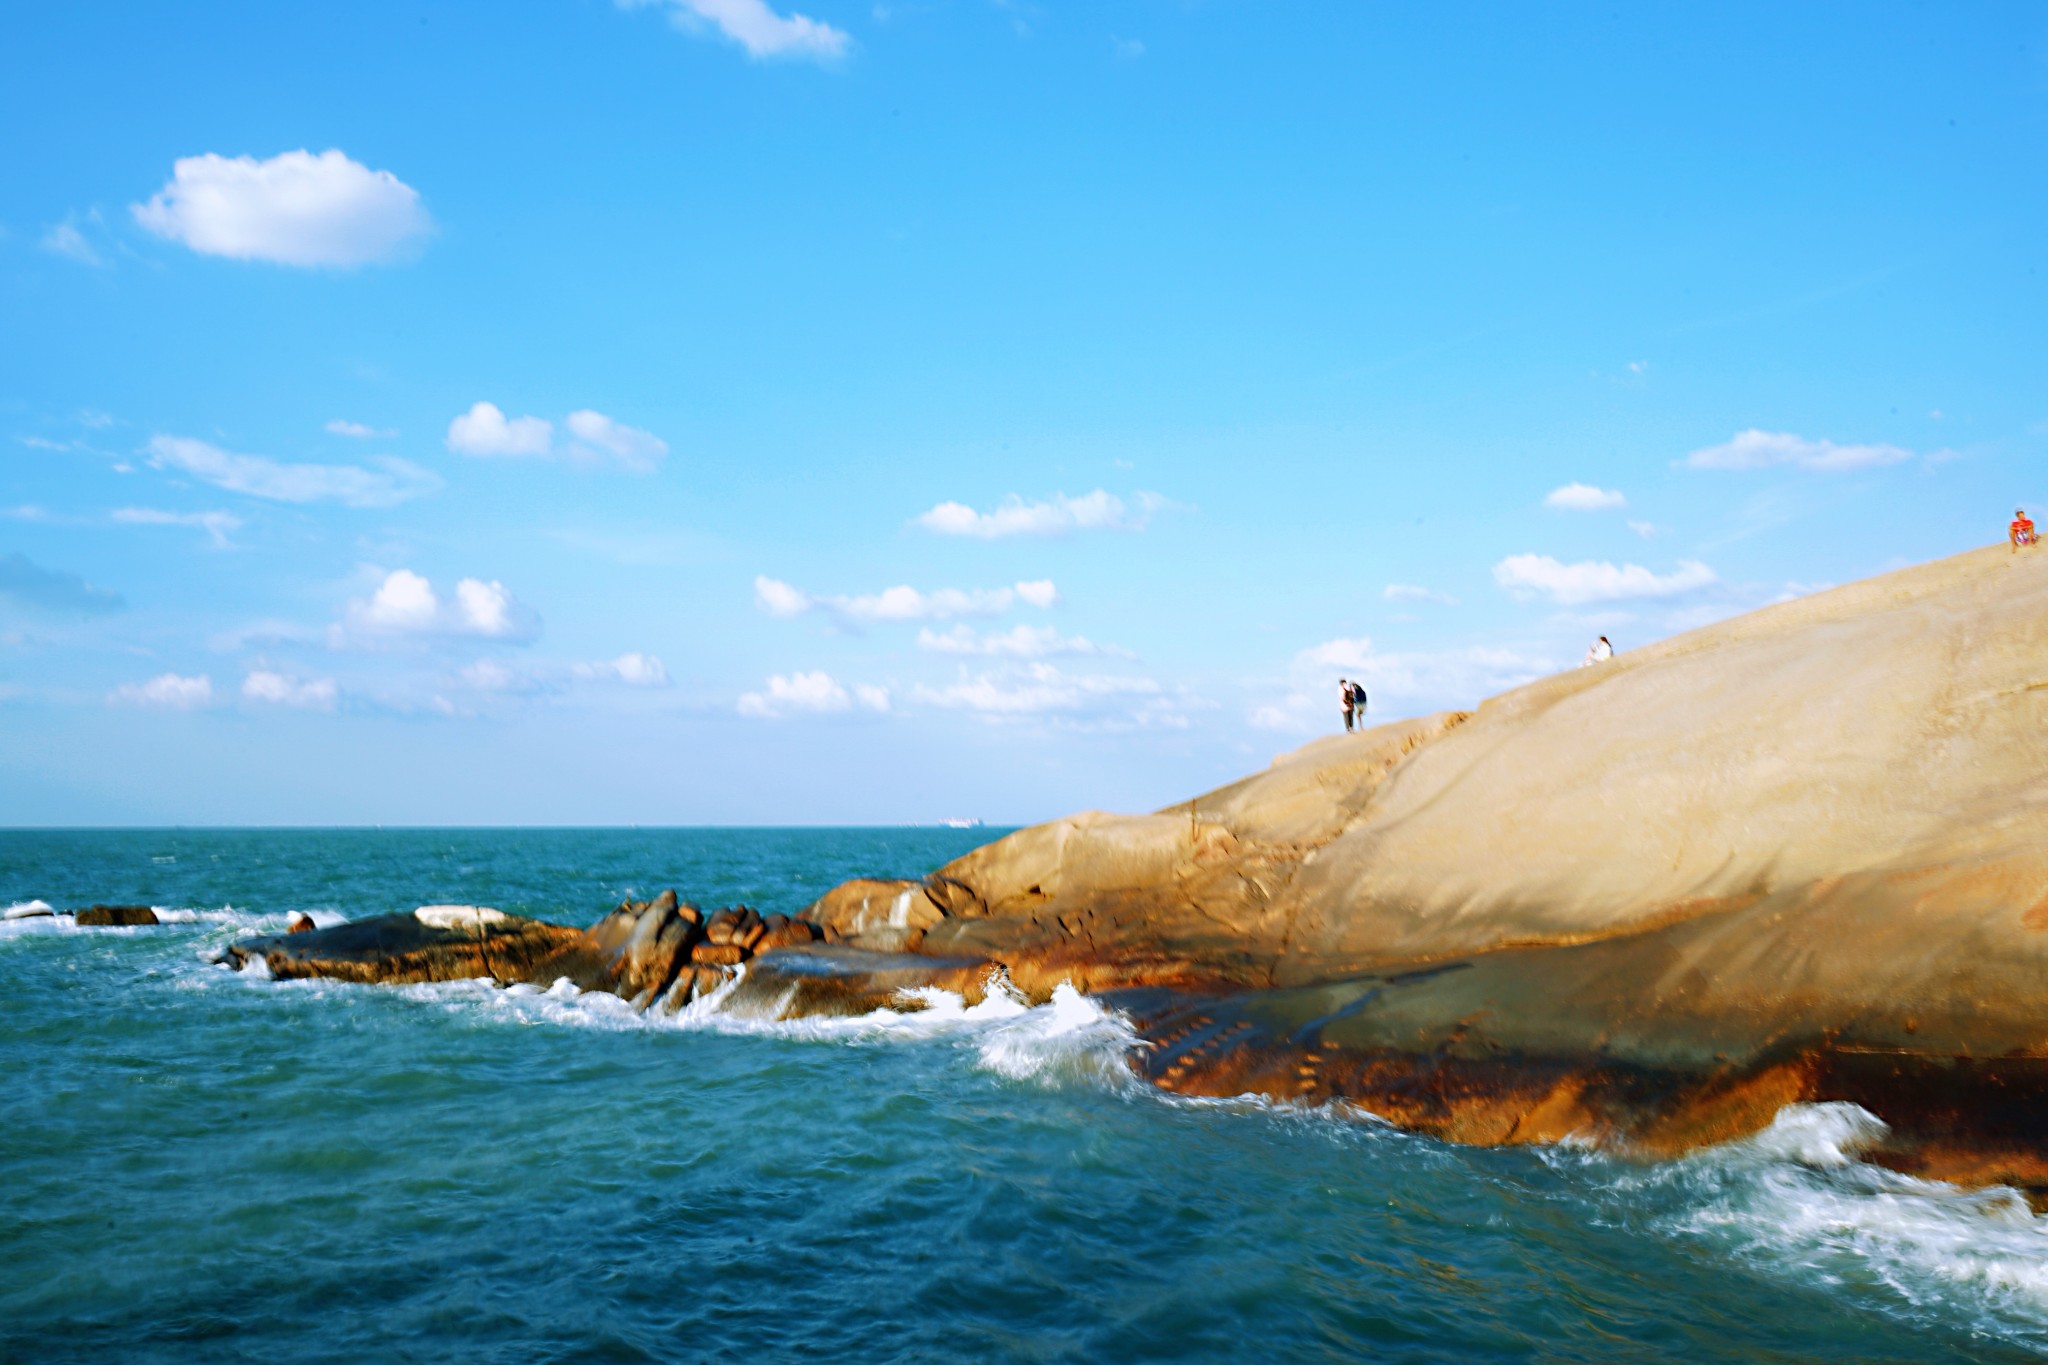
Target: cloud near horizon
389	483
295	209
756	27
1019	642
406	604
815	693
485	432
217	525
1058	515
1406	683
634	670
1596	580
1754	449
1584	497
166	691
903	603
278	689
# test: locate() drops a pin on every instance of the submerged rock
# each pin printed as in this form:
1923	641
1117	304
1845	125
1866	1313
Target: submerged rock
28	910
301	924
100	916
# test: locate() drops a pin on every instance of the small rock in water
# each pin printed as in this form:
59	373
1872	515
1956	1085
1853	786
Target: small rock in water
301	924
102	915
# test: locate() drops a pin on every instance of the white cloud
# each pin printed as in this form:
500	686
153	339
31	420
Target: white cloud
357	430
1396	684
1097	511
634	670
903	603
1596	580
484	431
598	436
778	598
489	675
391	482
167	690
1755	449
294	209
405	603
1584	497
1409	592
1042	690
217	525
1645	529
815	693
64	239
313	694
1019	642
756	27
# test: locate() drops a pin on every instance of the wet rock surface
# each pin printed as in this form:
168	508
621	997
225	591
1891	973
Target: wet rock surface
102	916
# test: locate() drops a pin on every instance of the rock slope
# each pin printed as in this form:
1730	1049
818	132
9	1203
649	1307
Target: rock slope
1798	855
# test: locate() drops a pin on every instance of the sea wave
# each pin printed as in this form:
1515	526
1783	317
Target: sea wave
1793	1200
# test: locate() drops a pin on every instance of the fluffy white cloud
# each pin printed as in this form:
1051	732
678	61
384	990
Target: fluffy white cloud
904	603
1645	529
1409	592
1584	497
1755	449
634	670
1097	511
405	603
598	436
485	430
1396	684
756	27
810	693
1019	642
389	483
217	525
489	675
169	691
778	598
294	209
312	694
1596	580
356	430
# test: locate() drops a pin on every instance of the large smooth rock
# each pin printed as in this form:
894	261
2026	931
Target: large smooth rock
1725	861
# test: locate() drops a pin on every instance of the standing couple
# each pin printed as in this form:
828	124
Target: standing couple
1353	696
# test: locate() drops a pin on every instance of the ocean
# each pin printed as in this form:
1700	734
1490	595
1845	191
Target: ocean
201	1164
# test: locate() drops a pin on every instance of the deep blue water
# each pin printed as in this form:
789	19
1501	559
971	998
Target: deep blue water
198	1164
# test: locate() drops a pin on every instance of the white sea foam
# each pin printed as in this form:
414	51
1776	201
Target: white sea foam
26	910
1793	1200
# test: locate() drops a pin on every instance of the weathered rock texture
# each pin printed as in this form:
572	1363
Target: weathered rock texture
1801	854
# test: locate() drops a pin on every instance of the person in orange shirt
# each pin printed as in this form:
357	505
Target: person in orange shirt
2022	529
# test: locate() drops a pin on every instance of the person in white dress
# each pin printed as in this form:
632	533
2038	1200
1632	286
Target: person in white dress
1600	653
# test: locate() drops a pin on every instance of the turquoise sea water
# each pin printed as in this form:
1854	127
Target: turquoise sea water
199	1164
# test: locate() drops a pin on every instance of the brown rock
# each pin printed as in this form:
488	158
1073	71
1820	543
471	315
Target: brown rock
301	924
721	927
717	955
115	915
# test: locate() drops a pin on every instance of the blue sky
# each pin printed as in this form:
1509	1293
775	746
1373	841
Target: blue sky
703	411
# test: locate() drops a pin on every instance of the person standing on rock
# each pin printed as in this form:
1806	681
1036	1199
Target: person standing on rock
2021	532
1358	702
1600	652
1344	696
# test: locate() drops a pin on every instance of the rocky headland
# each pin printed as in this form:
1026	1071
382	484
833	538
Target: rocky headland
1800	855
